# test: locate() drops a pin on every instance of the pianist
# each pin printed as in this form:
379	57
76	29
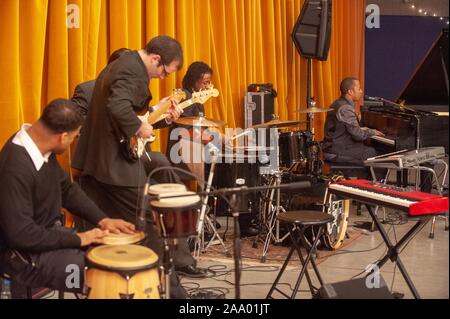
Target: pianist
344	137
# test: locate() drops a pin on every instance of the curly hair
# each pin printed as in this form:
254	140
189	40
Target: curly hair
194	73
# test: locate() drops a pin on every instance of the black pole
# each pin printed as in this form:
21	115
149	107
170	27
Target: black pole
308	94
237	246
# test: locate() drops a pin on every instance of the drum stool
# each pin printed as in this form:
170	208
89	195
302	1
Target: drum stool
299	221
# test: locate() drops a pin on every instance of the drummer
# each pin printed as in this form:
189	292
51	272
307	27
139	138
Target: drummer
197	78
35	249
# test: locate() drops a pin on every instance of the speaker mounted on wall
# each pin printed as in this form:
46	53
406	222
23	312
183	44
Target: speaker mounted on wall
312	31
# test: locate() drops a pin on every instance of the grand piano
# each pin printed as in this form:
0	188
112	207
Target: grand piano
420	118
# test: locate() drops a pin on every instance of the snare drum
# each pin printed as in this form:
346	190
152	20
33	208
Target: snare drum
176	217
122	272
294	147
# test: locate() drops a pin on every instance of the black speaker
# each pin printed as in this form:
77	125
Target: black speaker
354	289
312	31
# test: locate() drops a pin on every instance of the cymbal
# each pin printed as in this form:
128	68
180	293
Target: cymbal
278	124
199	121
313	109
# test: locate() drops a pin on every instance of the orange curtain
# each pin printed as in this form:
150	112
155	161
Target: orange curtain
245	41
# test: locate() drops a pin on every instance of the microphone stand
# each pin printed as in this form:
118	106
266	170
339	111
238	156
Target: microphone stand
233	203
237	245
200	240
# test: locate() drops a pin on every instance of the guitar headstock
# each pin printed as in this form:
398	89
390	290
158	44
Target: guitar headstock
203	95
178	95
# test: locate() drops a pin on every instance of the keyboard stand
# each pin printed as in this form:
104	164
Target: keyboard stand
393	250
440	185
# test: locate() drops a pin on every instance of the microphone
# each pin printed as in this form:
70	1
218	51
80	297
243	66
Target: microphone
372	98
141	221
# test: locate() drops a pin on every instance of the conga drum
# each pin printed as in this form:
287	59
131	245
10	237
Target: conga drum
176	217
124	239
166	188
122	272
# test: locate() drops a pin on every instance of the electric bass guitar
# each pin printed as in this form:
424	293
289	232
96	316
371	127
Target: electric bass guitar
137	145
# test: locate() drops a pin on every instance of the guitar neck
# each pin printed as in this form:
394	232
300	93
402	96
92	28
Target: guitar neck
158	115
161	112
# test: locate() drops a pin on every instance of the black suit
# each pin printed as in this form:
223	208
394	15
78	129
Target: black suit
113	182
82	96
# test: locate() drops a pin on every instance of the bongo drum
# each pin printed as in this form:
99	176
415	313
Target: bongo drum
122	272
176	217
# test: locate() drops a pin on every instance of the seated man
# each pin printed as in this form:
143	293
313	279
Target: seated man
35	249
344	137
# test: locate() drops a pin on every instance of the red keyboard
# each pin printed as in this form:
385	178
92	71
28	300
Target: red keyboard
413	202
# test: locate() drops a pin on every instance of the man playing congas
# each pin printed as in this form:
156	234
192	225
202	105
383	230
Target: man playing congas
35	250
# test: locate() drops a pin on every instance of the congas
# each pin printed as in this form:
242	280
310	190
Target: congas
124	239
166	188
122	272
176	217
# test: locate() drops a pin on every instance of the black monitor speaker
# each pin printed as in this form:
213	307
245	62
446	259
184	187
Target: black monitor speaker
354	289
312	31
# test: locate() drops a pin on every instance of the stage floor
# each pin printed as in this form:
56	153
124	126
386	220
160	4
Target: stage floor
426	260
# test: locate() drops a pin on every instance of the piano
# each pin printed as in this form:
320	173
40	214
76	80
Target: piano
421	119
414	203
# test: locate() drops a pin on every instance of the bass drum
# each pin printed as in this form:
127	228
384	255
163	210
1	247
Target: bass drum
335	233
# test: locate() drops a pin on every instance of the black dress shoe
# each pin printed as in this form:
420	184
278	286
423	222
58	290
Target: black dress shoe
249	232
191	271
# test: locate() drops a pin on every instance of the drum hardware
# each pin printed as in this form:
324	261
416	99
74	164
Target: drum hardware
233	202
268	220
200	239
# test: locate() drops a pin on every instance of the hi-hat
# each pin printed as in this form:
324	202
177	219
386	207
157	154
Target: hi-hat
199	121
278	124
313	109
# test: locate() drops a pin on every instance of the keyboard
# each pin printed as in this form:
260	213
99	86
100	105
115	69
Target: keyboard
415	203
383	140
406	158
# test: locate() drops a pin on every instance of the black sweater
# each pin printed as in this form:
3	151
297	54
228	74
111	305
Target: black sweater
31	201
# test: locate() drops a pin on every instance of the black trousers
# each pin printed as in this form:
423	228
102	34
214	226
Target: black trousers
61	269
354	154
